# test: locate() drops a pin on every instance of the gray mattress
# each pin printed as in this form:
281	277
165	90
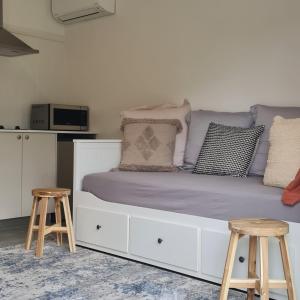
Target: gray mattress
218	197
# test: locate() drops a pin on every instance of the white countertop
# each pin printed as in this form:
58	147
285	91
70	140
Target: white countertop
99	141
45	131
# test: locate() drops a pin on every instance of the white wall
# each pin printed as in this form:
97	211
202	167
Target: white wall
34	78
31	15
223	55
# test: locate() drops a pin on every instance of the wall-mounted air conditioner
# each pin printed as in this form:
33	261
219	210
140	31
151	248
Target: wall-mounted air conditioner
72	11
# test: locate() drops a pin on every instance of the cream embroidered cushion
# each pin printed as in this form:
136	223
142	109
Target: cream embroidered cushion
284	153
166	111
148	145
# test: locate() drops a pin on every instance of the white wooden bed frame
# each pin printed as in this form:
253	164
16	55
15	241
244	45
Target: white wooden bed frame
191	245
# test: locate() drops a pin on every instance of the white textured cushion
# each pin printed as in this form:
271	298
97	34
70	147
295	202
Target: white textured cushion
284	153
167	111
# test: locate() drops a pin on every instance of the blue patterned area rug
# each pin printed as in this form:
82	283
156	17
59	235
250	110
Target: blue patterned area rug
92	275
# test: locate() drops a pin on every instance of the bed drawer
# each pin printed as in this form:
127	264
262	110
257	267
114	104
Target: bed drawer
164	242
102	228
214	247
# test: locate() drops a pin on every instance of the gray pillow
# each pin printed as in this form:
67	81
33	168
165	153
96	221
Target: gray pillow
200	120
264	115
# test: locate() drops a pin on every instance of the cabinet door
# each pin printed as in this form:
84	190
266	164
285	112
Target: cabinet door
39	166
10	175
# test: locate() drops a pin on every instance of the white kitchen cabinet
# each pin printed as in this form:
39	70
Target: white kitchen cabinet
10	175
39	166
27	161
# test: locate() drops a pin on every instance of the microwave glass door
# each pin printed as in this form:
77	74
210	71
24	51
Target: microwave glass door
69	118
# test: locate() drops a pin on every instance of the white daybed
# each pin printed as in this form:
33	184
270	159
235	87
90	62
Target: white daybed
188	244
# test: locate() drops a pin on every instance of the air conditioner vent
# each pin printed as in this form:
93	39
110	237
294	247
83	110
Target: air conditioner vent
72	11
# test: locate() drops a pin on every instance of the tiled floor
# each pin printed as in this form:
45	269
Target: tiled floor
13	231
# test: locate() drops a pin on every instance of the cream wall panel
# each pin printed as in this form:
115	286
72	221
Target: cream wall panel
31	79
35	78
223	55
31	15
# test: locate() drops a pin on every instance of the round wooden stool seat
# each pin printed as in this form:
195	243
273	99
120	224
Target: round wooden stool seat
259	227
57	192
259	231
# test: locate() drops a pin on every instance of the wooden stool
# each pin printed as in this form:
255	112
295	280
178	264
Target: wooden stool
41	197
258	229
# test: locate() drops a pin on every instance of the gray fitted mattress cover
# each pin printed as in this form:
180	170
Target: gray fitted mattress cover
218	197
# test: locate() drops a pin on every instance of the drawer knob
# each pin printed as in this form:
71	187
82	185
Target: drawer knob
19	137
98	227
159	240
26	137
241	259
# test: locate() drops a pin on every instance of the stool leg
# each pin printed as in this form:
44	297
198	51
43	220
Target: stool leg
234	238
252	264
71	224
264	268
42	226
58	220
71	239
287	267
31	224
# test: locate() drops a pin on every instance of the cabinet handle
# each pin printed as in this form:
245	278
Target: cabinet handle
241	259
19	137
26	137
159	240
98	227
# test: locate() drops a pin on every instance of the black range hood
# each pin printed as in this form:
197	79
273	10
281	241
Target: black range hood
10	45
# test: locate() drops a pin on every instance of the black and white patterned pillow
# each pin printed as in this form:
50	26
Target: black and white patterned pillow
227	150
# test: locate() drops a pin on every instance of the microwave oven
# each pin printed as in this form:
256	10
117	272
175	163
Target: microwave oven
59	117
